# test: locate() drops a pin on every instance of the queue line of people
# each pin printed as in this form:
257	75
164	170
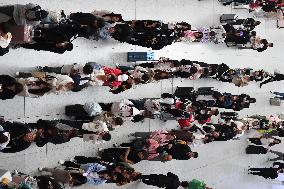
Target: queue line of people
54	32
75	77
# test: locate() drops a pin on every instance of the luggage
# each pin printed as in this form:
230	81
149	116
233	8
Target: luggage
228	116
140	56
205	91
183	92
252	149
76	111
21	34
227	18
275	101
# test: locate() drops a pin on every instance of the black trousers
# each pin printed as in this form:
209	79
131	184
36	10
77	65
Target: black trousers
106	106
85	160
268	173
153	179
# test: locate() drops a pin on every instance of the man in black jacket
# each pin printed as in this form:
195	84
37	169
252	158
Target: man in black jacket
21	137
268	173
169	181
9	87
179	151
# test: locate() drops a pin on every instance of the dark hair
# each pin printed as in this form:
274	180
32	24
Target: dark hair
112	78
100	23
88	69
145	77
18	87
79	179
40	14
108	172
253	33
114	15
69	46
200	35
205	72
144	153
106	137
209	139
137	118
118	121
184	184
257	22
193	70
3	138
252	100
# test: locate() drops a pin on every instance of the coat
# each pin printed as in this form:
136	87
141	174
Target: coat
17	132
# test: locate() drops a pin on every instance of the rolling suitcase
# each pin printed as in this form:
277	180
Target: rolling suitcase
140	56
205	90
227	18
76	111
275	101
229	116
183	92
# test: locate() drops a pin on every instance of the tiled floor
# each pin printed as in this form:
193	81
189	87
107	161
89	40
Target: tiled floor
222	165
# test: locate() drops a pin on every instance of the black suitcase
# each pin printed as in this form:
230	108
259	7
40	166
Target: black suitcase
76	111
227	18
183	92
205	90
229	115
252	149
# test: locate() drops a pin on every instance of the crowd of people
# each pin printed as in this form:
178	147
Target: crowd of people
256	5
197	112
113	165
29	26
75	77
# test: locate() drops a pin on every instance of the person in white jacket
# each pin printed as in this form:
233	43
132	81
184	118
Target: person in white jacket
124	108
98	132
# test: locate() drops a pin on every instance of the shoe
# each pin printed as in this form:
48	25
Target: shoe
115	145
40	169
61	162
72	159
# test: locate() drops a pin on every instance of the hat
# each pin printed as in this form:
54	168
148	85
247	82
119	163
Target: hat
135	111
122	77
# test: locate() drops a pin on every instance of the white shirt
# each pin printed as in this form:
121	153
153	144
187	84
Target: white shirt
122	108
3	145
96	139
95	126
150	105
4	42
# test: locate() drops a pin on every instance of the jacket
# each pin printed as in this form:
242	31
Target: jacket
17	132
